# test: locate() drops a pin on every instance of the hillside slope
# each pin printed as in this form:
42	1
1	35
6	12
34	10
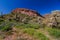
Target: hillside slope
25	24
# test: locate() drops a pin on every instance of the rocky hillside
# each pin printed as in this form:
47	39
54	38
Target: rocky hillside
26	24
53	19
24	15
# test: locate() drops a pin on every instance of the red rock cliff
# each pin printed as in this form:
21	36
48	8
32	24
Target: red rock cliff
26	11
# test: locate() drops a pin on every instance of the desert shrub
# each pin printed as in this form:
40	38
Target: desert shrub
54	32
35	26
29	31
35	34
40	36
1	20
6	26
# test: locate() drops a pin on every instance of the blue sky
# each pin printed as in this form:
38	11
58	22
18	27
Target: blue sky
42	6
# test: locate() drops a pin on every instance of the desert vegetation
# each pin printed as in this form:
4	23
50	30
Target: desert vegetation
18	26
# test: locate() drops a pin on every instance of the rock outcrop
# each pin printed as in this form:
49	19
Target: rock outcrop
53	19
26	11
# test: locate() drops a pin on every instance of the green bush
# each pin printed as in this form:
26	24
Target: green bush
40	36
5	26
35	26
29	31
55	32
35	34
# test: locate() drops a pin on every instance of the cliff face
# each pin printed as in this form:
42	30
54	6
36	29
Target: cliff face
26	11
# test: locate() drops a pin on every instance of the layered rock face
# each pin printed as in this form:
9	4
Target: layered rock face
26	11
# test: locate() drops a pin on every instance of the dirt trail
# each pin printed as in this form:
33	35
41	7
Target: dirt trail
46	34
